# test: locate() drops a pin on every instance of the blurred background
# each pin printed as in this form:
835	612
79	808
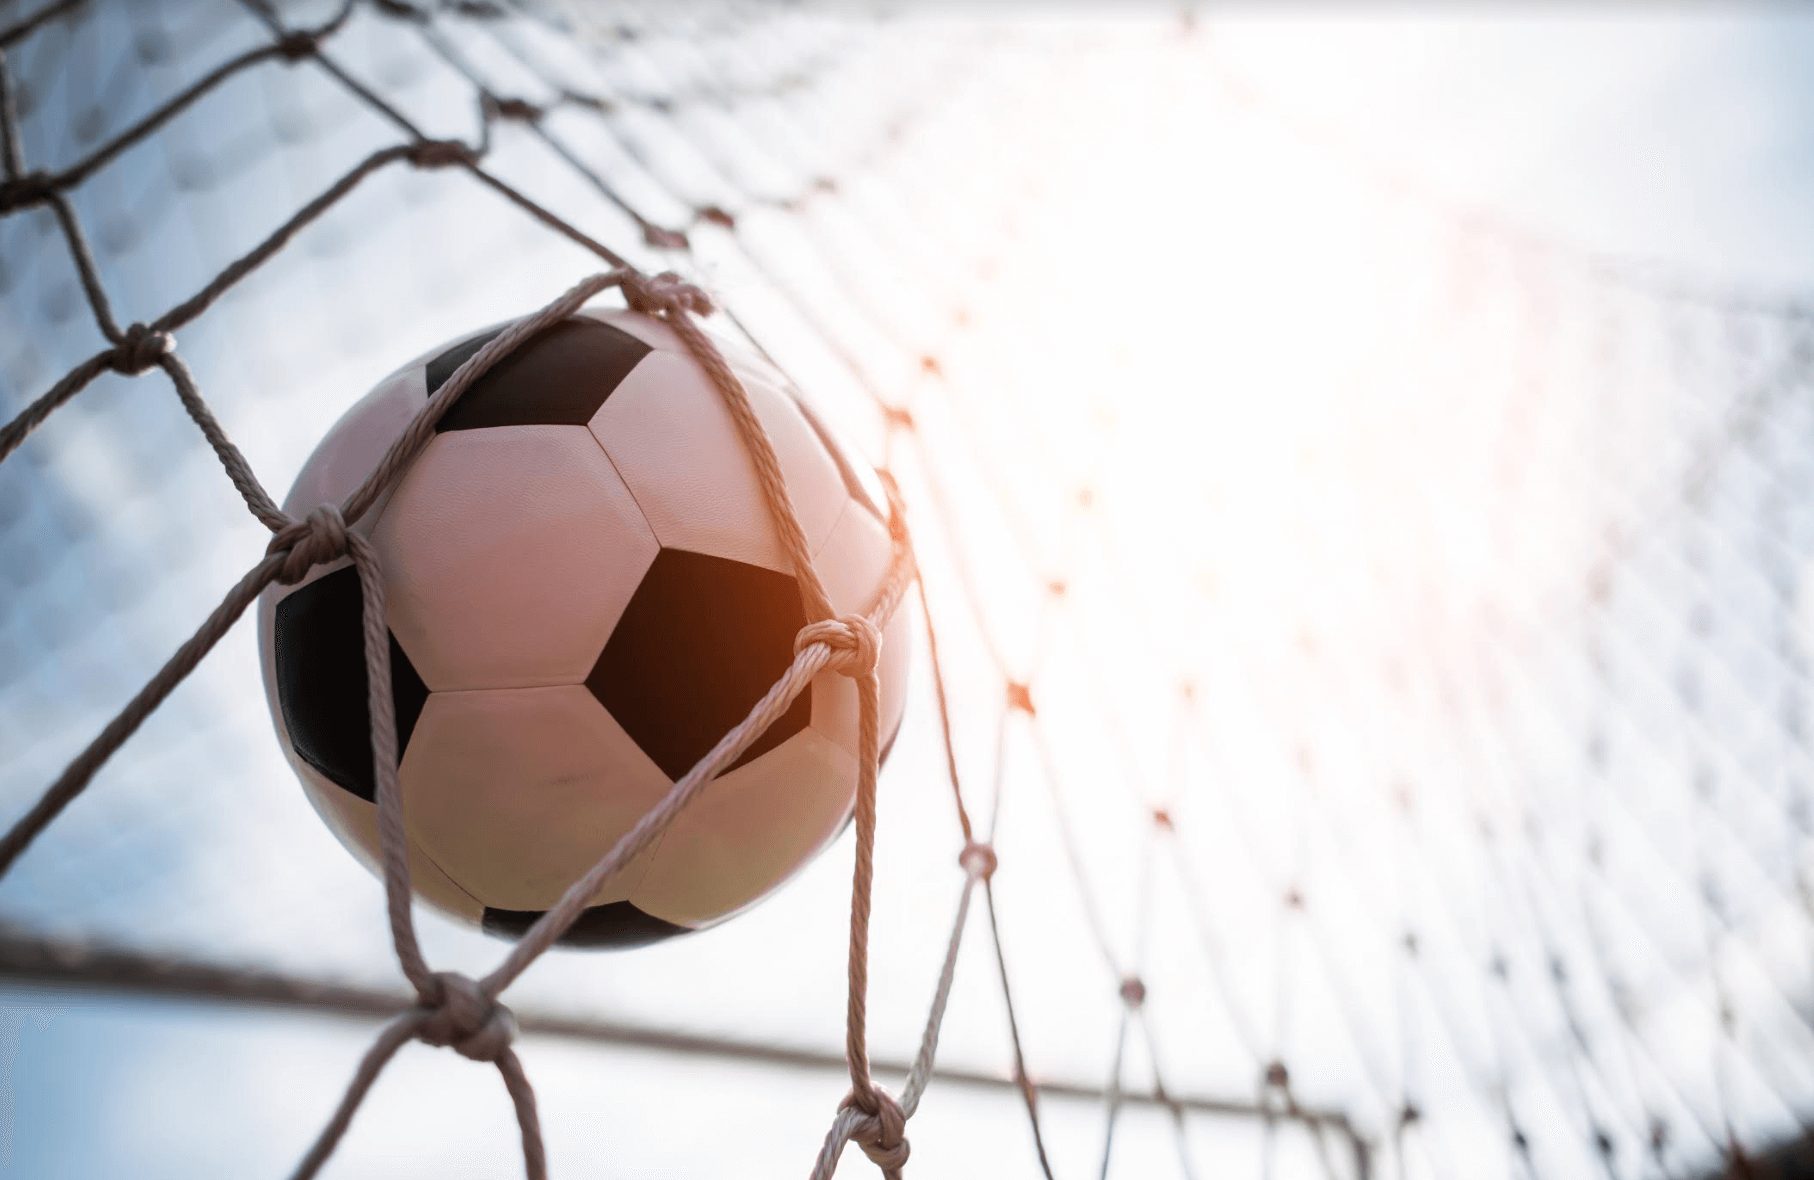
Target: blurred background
1359	459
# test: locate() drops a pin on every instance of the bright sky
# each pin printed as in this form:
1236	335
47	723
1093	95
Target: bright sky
1315	475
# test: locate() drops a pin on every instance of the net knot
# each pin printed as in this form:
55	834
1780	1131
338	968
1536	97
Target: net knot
316	539
855	643
25	190
664	294
298	44
660	237
140	348
439	153
881	1128
520	109
1133	991
717	215
461	1017
978	860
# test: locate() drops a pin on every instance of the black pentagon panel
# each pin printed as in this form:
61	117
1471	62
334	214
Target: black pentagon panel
847	470
703	639
561	376
615	924
319	645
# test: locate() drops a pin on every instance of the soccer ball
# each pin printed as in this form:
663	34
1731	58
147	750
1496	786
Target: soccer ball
585	592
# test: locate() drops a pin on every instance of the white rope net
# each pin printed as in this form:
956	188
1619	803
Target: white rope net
1371	633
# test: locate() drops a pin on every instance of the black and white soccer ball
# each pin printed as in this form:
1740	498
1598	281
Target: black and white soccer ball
585	592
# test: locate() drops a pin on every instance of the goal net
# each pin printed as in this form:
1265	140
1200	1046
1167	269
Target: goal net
1370	635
